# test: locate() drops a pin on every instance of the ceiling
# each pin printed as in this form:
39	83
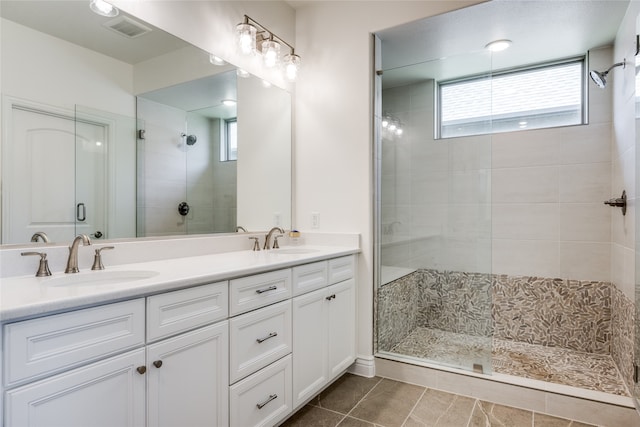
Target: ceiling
74	22
452	44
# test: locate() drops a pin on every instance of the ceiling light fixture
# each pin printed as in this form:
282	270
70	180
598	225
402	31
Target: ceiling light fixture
254	37
498	45
216	60
229	102
103	8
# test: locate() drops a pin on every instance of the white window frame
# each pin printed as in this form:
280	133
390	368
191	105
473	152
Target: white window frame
225	150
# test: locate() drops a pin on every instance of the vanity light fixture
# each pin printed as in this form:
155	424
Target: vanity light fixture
254	37
242	73
498	45
103	8
266	83
392	125
216	60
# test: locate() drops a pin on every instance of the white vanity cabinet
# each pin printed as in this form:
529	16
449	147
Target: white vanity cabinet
180	379
323	330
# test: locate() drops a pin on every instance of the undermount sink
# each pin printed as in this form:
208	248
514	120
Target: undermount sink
294	251
107	277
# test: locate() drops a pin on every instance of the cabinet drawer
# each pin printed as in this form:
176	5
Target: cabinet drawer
249	293
264	398
179	311
341	269
50	344
309	277
259	338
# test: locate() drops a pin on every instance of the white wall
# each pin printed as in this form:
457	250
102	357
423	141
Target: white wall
333	122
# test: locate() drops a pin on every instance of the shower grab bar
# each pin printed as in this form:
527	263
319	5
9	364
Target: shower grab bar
620	202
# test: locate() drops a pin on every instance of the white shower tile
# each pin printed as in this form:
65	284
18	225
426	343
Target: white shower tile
469	187
617	265
585	183
525	185
585	261
585	144
525	257
532	221
585	222
525	148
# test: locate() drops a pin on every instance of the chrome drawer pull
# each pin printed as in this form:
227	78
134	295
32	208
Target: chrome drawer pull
330	297
271	397
271	335
270	288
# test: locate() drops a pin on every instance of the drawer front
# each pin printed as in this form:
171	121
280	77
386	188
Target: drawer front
264	398
259	338
179	311
38	347
341	269
309	277
249	293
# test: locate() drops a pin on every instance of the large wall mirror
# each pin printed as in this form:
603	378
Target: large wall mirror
114	128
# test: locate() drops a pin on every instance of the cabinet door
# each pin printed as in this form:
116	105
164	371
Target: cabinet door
309	345
342	322
188	376
104	394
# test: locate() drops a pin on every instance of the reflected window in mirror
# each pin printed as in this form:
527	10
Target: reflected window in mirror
541	96
229	146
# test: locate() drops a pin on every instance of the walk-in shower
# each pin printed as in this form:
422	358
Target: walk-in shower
494	247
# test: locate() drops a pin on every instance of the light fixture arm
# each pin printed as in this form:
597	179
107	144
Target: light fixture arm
272	35
623	64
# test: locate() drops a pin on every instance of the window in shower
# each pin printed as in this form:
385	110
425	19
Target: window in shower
229	146
543	96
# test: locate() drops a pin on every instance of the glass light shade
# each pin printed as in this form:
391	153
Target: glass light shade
291	66
103	8
399	131
270	53
242	73
392	126
385	123
266	83
229	102
246	34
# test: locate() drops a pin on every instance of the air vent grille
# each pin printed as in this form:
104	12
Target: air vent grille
127	27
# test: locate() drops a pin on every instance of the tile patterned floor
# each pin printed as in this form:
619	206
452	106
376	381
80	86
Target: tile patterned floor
354	401
551	364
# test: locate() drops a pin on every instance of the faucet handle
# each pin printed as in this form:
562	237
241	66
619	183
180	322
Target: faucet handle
275	241
97	259
256	243
43	268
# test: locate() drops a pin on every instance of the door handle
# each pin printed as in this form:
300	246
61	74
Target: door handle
80	207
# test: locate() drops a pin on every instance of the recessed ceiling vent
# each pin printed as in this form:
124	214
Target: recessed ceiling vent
127	27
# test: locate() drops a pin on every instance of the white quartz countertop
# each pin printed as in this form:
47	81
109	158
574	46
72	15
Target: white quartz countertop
29	296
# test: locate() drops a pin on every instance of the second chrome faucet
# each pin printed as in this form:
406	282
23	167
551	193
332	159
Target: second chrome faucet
268	237
72	261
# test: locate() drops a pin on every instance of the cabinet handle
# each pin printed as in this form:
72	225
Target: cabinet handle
157	363
271	335
330	297
263	404
141	369
270	288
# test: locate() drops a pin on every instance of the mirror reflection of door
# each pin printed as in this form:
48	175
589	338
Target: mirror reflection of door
42	176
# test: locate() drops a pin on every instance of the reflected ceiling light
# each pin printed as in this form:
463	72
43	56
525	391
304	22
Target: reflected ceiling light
242	73
498	45
391	125
254	37
229	102
266	83
385	123
216	60
103	8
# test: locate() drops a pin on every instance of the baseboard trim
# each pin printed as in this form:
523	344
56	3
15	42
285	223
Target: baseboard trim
365	366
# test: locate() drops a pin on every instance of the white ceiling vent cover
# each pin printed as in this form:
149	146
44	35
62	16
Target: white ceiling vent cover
127	27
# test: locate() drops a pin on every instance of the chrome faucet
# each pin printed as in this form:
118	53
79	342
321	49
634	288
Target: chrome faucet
40	235
268	236
72	262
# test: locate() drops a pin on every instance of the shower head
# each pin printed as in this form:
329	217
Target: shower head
600	77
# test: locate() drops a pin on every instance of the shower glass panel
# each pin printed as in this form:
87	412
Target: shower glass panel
434	222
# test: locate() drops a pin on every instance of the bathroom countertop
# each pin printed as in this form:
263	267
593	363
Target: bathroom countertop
29	296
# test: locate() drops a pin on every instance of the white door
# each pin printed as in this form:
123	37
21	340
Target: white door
104	394
40	176
188	379
309	345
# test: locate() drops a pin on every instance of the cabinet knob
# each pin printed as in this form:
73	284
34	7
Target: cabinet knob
141	369
157	363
